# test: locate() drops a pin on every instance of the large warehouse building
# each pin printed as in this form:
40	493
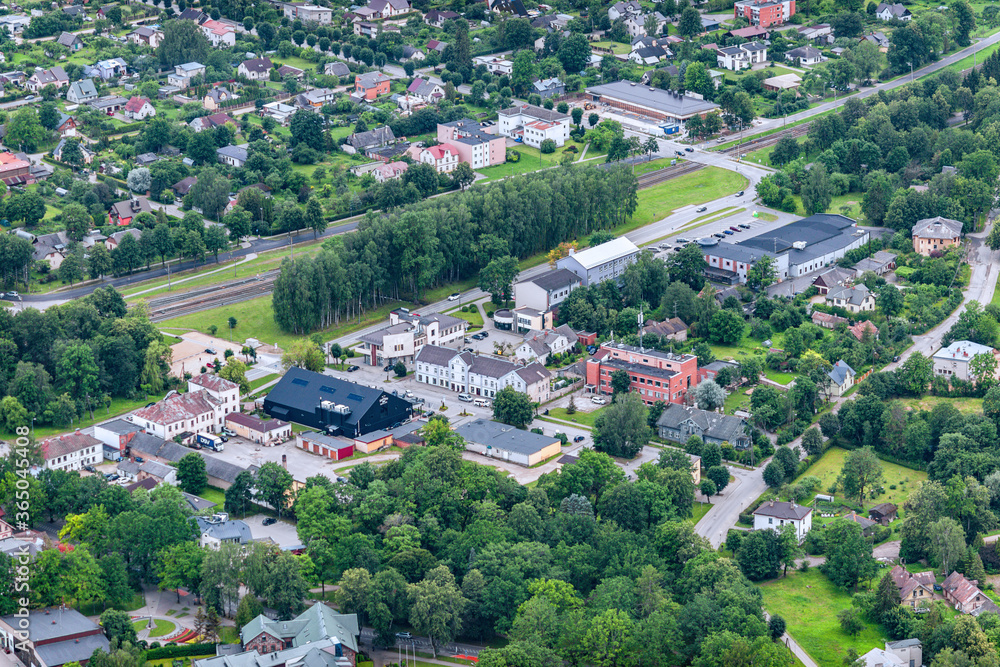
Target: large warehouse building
663	105
798	248
335	406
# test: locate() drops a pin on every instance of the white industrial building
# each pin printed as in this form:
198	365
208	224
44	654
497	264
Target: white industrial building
603	262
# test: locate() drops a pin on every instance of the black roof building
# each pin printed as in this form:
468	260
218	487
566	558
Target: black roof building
333	405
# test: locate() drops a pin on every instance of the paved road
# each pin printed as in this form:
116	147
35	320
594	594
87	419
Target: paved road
767	124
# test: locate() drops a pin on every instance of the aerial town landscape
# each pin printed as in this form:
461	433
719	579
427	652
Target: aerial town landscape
591	334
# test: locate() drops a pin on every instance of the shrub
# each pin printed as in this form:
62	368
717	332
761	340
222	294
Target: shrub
179	651
548	146
489	314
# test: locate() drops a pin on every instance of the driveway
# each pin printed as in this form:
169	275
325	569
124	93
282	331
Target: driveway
282	533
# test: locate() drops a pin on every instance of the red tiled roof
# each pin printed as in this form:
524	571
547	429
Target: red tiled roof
439	151
67	444
135	104
859	329
178	407
214	382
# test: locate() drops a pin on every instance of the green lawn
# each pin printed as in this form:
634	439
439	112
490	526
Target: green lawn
118	406
828	468
263	380
473	317
737	400
532	159
965	405
996	293
704	185
700	510
652	165
161	626
809	603
213	495
579	417
966	63
168	662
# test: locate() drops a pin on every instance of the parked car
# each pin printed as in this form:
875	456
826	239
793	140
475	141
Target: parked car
701	209
29	98
719	235
351	369
269	521
600	400
465	398
476	336
230	432
454	297
679	153
591	349
139	459
735	229
578	438
90	468
404	635
727	232
720	140
486	334
481	403
744	225
689	150
389	367
341	480
210	350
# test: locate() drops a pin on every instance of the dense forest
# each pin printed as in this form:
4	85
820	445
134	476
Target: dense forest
446	239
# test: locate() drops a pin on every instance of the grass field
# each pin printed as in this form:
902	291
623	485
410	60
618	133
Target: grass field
652	165
161	626
264	380
965	405
532	159
827	469
213	495
579	417
118	406
809	603
700	510
704	185
474	317
168	662
966	63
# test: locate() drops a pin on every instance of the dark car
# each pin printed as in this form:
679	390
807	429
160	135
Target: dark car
90	468
701	209
341	480
578	438
895	359
591	349
679	153
740	193
719	235
110	476
727	232
744	225
139	459
351	369
210	350
689	150
389	367
485	334
269	521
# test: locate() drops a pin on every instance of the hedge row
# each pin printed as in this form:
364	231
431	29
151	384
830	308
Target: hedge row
180	651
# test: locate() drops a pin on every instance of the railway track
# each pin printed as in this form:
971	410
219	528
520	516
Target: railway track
176	305
652	178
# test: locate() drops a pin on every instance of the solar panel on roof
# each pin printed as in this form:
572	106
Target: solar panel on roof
329	390
355	397
300	382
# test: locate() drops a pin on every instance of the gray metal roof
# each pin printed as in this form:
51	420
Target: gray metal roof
681	106
504	437
225	530
712	424
53	623
120	426
937	228
783	510
76	650
436	355
840	372
156	469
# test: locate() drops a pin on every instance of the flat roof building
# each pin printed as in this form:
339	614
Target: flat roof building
653	102
603	262
508	443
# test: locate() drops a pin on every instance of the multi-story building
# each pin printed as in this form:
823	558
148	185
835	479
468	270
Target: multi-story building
72	451
408	332
309	13
932	235
742	56
227	393
953	361
51	637
764	13
443	157
533	125
655	376
334	637
774	514
371	85
480	375
474	145
547	291
603	262
219	34
538	345
194	412
116	436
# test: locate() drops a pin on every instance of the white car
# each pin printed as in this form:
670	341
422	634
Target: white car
600	400
454	297
465	398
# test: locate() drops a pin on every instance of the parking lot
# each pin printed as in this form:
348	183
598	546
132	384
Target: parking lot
282	532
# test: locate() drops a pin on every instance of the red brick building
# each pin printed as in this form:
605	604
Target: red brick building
318	628
656	376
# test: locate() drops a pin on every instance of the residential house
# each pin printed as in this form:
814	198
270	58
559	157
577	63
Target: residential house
14	24
880	263
70	41
334	637
883	513
820	31
515	7
234	156
935	235
71	451
655	376
965	595
151	37
336	68
859	329
289	72
279	111
146	159
546	88
833	278
389	170
15	78
437	17
115	435
426	90
623	9
826	320
879	39
916	589
636	25
121	213
194	412
139	108
522	320
225	392
219	34
208	122
475	145
112	68
782	82
892	12
649	55
670	329
371	85
183	74
506	443
75	11
256	69
533	125
805	55
740	57
218	529
109	104
367	29
855	299
955	359
308	13
218	97
711	371
902	653
191	14
867	525
155	471
679	422
258	430
435	45
479	374
51	637
494	65
57	152
546	291
183	186
443	157
408	332
315	99
540	345
48	77
751	33
764	13
602	262
387	9
115	239
66	125
362	141
774	514
842	378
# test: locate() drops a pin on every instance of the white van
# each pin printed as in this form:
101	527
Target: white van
481	403
465	397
